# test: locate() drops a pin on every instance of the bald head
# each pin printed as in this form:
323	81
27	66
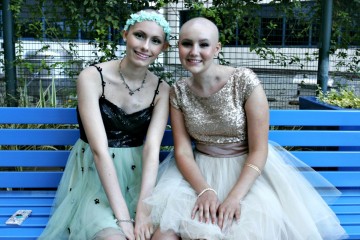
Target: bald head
200	25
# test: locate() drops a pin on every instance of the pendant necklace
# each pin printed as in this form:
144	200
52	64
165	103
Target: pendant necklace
131	92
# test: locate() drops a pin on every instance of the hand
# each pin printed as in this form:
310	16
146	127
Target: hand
143	226
206	205
229	210
128	229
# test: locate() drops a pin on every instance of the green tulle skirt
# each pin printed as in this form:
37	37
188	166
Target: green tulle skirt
81	209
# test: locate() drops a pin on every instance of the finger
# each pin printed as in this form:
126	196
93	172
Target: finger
195	209
231	216
237	214
147	234
226	219
213	213
221	218
201	213
207	213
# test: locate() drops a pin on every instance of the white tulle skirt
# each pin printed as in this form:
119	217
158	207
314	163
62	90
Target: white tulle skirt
282	204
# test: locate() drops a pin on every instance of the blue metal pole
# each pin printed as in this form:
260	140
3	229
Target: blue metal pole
9	54
324	44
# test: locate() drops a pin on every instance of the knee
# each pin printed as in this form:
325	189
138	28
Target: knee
168	235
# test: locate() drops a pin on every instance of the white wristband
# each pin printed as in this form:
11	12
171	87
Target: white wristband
205	190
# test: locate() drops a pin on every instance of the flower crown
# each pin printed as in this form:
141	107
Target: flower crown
149	16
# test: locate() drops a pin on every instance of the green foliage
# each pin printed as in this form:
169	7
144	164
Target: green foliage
101	21
344	97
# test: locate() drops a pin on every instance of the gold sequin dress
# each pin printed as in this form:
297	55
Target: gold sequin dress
281	204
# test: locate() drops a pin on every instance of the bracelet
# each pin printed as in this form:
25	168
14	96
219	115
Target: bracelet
205	190
253	167
117	221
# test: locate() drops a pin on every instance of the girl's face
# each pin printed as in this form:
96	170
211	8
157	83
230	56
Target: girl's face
197	48
144	42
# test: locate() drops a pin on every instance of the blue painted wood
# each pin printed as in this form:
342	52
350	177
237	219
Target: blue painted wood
314	118
315	138
300	136
38	136
33	115
30	179
39	158
328	158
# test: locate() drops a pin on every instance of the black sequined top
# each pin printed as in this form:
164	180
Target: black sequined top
122	129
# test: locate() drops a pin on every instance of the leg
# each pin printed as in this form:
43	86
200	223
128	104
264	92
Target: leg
109	234
169	235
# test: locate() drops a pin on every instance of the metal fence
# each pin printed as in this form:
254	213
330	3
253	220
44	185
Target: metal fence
283	82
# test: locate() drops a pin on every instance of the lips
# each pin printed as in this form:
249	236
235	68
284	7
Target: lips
142	56
194	60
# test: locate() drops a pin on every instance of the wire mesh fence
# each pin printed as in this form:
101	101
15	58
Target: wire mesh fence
287	64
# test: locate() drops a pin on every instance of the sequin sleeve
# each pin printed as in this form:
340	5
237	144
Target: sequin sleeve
173	99
251	82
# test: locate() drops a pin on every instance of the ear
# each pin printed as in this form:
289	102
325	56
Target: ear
166	46
124	35
218	48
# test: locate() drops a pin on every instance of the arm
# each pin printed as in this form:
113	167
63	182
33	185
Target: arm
151	153
206	204
89	91
257	113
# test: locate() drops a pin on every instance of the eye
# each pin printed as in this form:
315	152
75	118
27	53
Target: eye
156	41
186	43
139	35
204	45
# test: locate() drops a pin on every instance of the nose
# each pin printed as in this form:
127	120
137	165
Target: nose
145	45
194	50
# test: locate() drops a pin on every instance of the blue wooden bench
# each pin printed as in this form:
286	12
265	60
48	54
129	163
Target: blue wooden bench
31	167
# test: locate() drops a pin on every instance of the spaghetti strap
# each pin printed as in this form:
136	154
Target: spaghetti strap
103	83
156	91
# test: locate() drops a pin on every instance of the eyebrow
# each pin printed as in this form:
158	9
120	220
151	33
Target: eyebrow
139	30
201	40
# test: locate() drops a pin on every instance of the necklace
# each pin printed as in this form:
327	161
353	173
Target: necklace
131	92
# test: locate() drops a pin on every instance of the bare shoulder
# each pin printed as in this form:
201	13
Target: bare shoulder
88	73
89	79
163	87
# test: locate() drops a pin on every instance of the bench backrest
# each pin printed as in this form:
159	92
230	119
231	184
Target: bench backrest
35	143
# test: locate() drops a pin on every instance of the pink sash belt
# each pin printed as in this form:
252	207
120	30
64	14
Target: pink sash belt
223	150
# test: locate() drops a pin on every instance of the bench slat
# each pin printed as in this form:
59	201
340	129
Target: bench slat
27	233
52	179
30	202
29	222
27	194
315	138
36	211
31	158
353	231
338	178
329	158
355	210
48	158
33	115
301	118
38	136
30	179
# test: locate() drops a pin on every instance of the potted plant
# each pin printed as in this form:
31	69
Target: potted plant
341	98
